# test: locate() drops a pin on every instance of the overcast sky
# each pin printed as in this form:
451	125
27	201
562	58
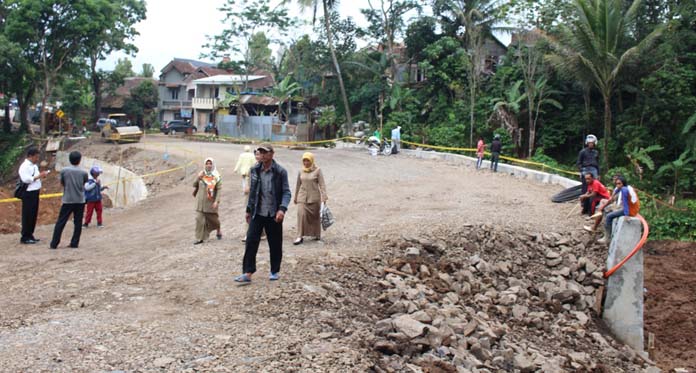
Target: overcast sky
178	28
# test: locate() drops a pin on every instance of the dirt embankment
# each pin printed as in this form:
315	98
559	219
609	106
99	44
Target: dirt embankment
670	302
140	161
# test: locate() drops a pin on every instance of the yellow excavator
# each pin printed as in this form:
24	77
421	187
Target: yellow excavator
118	129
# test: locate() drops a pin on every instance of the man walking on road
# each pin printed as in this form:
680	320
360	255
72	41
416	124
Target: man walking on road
29	174
269	196
73	180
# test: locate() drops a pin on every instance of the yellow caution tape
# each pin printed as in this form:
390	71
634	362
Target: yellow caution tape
511	159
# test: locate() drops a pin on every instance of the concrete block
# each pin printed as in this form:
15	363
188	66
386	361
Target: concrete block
623	306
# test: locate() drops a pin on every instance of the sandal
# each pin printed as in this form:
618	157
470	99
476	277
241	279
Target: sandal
243	278
298	241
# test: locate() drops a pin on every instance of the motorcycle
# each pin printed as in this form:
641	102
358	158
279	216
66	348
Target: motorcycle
377	147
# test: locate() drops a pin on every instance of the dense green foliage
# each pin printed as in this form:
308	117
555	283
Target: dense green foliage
11	148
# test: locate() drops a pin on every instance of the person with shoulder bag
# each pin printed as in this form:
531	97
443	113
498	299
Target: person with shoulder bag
29	187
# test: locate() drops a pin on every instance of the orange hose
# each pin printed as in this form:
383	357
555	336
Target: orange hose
646	231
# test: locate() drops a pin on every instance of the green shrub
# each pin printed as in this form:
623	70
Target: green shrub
11	148
668	224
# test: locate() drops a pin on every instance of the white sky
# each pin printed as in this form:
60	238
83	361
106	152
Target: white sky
178	28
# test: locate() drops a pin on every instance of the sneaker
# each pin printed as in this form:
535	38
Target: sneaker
218	236
28	242
588	228
198	242
243	278
85	225
100	225
602	240
274	276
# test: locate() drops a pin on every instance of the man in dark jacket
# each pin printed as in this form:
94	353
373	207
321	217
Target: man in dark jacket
588	162
496	147
269	197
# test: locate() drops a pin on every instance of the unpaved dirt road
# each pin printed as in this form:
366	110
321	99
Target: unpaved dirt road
138	296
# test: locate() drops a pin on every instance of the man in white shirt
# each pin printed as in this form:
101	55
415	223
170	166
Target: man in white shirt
396	140
29	174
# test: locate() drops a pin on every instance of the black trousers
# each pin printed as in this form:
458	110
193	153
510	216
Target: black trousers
495	156
274	233
30	211
77	210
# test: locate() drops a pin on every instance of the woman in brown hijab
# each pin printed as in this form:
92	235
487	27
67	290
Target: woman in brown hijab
310	193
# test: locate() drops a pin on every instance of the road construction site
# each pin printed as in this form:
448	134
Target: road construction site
431	267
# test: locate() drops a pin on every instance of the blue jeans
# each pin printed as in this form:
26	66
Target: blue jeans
610	218
479	161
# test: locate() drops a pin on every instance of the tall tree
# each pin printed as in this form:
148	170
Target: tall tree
386	18
113	31
478	19
594	50
244	20
259	51
328	6
141	102
147	70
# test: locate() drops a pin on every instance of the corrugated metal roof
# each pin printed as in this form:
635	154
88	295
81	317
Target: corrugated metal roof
258	100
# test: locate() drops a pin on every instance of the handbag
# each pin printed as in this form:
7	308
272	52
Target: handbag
327	218
20	189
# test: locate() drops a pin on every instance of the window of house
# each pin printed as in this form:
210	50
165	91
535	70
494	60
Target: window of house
174	92
217	92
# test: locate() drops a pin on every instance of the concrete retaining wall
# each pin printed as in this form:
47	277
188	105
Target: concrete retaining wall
623	306
519	172
131	188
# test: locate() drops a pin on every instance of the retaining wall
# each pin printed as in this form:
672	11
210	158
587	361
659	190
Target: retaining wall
128	191
519	172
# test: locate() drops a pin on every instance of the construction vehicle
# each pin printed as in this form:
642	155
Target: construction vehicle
118	129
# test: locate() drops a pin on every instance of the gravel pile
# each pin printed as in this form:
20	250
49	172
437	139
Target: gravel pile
483	299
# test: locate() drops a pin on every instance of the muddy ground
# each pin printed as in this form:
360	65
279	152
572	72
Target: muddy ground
138	296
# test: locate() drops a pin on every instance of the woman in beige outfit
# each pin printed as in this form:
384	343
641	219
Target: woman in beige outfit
206	190
310	193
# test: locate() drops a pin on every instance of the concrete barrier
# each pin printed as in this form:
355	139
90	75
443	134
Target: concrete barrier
516	171
623	306
125	187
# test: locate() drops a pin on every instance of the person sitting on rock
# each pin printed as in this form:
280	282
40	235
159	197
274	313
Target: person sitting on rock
630	203
596	191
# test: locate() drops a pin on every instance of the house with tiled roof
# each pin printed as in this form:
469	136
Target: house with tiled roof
114	102
176	88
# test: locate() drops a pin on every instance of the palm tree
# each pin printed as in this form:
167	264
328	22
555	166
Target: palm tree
542	96
479	19
329	5
592	50
508	108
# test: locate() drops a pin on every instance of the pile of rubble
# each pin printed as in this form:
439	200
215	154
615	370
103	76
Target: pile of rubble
484	299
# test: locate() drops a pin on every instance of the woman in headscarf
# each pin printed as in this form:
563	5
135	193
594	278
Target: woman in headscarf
310	193
245	162
207	193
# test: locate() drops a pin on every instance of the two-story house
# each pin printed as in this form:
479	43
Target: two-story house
210	90
176	88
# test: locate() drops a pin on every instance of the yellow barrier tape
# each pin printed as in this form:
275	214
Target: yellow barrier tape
511	159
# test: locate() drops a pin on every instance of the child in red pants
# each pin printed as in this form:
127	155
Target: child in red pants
93	196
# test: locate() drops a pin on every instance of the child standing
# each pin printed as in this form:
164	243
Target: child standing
480	149
93	196
73	180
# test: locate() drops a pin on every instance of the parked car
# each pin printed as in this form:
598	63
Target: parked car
177	126
100	123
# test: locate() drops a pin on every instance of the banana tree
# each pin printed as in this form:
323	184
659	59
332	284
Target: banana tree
678	167
283	92
641	156
508	108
